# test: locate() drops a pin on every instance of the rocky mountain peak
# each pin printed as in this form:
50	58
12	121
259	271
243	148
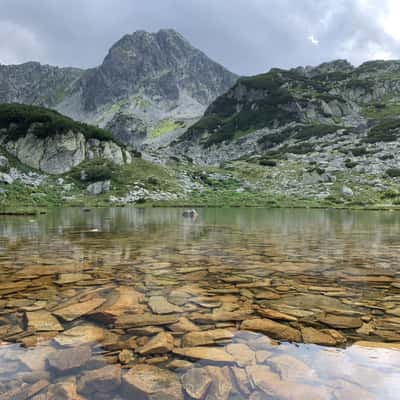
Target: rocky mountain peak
159	65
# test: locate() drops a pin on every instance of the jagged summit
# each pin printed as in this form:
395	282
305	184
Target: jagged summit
160	65
156	79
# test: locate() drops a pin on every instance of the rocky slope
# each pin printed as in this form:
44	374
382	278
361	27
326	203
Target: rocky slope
148	84
283	102
49	142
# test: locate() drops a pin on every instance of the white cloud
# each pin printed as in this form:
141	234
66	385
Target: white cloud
390	19
313	40
18	44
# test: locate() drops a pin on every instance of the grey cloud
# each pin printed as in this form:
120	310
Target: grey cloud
247	36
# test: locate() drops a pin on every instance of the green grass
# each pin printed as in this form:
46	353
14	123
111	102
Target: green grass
164	127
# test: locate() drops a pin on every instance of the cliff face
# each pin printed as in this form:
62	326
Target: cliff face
52	143
150	78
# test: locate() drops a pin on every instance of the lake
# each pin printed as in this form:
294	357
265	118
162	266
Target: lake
130	303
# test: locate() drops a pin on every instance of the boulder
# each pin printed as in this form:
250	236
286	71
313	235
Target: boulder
100	187
347	192
5	178
4	163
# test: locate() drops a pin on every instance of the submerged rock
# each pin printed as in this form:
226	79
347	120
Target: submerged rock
159	344
147	381
273	329
160	305
196	382
215	354
42	321
63	361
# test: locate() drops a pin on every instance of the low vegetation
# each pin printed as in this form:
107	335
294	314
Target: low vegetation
19	118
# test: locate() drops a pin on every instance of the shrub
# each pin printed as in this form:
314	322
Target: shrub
268	162
393	172
350	164
18	118
94	171
386	131
359	151
390	194
387	157
310	131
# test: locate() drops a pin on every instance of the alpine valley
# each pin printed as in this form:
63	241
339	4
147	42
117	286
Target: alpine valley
160	123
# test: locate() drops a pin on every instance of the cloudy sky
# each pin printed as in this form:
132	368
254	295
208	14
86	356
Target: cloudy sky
247	36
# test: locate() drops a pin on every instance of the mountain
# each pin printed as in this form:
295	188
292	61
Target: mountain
297	105
149	84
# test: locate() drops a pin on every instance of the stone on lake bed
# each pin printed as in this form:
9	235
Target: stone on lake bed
64	279
215	354
276	315
139	321
378	345
160	305
291	369
144	381
242	353
63	361
273	386
35	359
103	380
196	383
122	300
203	338
340	321
81	334
184	325
42	321
314	336
159	344
272	329
125	356
77	310
24	392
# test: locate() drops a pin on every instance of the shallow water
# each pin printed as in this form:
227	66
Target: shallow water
143	303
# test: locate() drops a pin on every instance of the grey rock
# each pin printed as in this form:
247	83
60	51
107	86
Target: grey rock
5	178
97	188
4	163
347	192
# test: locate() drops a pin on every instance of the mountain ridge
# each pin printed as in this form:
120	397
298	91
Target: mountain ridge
153	77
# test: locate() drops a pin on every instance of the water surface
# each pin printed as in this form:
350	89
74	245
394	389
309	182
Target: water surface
236	304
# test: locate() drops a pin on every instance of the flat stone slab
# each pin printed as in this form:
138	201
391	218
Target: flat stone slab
145	381
75	311
216	354
42	321
272	329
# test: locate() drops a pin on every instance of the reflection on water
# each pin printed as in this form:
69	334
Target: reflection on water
238	304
